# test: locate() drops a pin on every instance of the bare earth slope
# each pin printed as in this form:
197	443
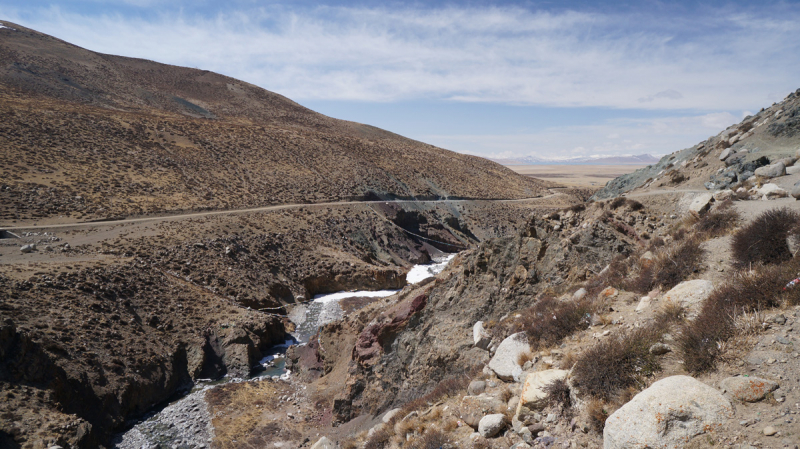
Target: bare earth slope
88	135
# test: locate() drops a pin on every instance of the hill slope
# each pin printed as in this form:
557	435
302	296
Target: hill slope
89	135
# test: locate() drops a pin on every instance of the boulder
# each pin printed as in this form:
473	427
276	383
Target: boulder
476	387
723	195
324	443
480	337
506	357
690	294
793	170
771	171
726	153
747	389
28	248
788	161
609	292
796	191
667	415
660	349
644	304
701	203
491	425
533	392
579	294
772	191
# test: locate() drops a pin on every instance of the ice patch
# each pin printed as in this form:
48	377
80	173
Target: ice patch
419	273
3	26
360	294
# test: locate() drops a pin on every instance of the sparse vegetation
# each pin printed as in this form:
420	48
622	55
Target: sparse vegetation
763	241
717	222
672	265
558	396
550	320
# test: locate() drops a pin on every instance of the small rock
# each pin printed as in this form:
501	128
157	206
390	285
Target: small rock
491	425
690	294
644	304
476	387
660	349
28	248
324	443
771	191
726	153
579	294
480	337
701	203
747	389
533	393
769	431
507	356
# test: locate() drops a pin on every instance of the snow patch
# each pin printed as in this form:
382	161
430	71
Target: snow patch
419	273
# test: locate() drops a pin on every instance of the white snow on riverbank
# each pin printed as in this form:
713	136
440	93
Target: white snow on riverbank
421	272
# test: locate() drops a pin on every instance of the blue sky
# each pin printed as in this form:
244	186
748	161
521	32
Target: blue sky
496	79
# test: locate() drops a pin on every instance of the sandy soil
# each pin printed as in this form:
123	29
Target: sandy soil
575	175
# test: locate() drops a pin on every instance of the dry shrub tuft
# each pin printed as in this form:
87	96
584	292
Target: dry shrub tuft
598	414
432	439
617	202
764	239
617	363
717	222
524	358
549	321
747	292
378	440
448	387
671	266
558	396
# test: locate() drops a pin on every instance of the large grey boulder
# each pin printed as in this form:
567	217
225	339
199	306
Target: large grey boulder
726	153
667	415
747	389
701	203
772	171
771	191
506	358
793	170
796	191
491	425
690	294
480	337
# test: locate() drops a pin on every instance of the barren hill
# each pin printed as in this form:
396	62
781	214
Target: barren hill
88	135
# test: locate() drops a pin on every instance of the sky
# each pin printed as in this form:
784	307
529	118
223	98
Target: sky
496	79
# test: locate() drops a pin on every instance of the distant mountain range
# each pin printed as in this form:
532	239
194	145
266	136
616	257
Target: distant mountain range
641	159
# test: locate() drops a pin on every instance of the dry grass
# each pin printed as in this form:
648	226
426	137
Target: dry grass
549	321
611	366
702	340
597	412
718	222
672	265
558	396
763	241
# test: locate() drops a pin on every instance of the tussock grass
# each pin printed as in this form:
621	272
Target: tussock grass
718	222
672	265
611	366
763	241
701	341
549	320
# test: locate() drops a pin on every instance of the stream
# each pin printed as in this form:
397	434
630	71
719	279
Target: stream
186	423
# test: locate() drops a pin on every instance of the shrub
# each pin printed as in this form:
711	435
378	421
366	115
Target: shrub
617	202
672	265
718	222
446	388
558	396
378	440
550	320
577	207
609	367
764	239
432	439
749	291
598	414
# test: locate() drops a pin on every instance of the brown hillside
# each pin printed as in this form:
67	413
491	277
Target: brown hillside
87	135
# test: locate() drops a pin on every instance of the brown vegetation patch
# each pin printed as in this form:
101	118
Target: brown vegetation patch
764	239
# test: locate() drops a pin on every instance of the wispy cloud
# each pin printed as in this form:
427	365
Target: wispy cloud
656	136
493	54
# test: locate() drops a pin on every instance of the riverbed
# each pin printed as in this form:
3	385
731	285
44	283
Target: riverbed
186	423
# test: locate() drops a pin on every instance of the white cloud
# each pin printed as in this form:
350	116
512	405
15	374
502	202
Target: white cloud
492	54
625	136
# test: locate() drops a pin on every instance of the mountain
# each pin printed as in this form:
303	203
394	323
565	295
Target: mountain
641	159
94	135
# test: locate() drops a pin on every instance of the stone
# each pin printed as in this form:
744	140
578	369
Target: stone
701	203
390	414
723	195
324	443
726	153
667	415
609	292
771	171
788	161
747	389
793	170
690	294
480	337
533	393
796	191
28	248
579	294
483	403
769	431
660	349
506	357
491	425
644	304
476	387
771	191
